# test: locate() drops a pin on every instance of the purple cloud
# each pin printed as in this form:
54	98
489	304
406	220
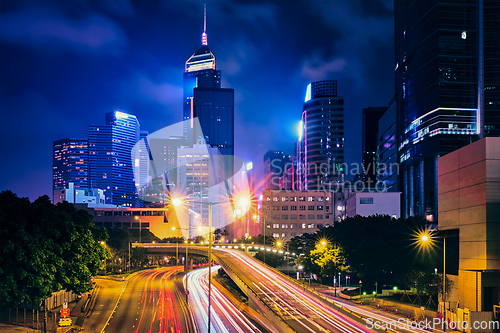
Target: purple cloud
37	28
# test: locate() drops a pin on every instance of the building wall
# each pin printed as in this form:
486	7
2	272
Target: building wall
159	221
282	220
469	200
373	203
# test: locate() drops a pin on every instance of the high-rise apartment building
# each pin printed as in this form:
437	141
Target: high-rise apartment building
70	163
321	139
447	82
110	158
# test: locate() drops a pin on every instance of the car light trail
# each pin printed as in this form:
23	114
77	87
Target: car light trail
225	316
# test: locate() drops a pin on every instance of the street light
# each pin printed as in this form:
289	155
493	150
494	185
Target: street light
104	244
140	229
279	245
244	201
425	239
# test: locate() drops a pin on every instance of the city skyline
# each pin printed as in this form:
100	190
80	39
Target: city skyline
84	61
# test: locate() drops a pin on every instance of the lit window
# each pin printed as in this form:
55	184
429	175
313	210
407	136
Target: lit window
366	201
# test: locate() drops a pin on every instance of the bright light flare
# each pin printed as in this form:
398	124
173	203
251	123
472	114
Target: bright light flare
424	240
176	202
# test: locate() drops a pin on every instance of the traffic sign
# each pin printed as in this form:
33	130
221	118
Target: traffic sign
64	312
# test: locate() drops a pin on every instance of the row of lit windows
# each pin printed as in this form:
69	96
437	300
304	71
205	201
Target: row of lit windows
300	217
294	226
295	207
310	198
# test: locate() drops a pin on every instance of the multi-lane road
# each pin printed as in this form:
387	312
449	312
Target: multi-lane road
152	301
302	311
225	316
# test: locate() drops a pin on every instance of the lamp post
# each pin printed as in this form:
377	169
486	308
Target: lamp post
178	202
140	229
176	250
280	244
104	244
425	238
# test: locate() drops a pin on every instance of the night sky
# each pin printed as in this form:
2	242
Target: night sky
64	64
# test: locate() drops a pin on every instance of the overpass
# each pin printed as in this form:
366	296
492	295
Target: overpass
289	306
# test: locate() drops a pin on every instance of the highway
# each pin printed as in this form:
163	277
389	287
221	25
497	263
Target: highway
226	318
302	311
394	322
152	301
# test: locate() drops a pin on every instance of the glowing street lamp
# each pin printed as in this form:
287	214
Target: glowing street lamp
426	239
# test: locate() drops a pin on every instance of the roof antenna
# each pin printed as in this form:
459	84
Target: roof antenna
204	34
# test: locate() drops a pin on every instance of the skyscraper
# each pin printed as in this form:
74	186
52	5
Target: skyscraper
275	165
321	139
110	158
447	81
371	116
70	163
205	99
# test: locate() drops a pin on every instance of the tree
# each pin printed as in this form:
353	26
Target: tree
45	248
272	259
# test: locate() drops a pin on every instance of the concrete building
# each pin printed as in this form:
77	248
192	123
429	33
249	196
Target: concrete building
92	197
287	214
158	221
373	203
469	202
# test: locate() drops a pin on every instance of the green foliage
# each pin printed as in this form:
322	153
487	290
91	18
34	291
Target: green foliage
373	249
45	248
272	259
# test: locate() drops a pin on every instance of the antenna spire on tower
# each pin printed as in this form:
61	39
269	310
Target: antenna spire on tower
204	34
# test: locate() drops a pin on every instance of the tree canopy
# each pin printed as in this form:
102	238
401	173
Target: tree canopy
46	248
374	249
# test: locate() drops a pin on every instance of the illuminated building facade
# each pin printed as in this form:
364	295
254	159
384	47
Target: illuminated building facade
110	158
321	137
447	81
70	163
203	98
289	214
197	184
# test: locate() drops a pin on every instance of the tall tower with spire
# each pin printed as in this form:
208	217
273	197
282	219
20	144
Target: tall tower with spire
199	72
204	98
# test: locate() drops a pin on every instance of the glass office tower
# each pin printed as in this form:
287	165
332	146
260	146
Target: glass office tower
110	159
212	105
445	77
321	144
